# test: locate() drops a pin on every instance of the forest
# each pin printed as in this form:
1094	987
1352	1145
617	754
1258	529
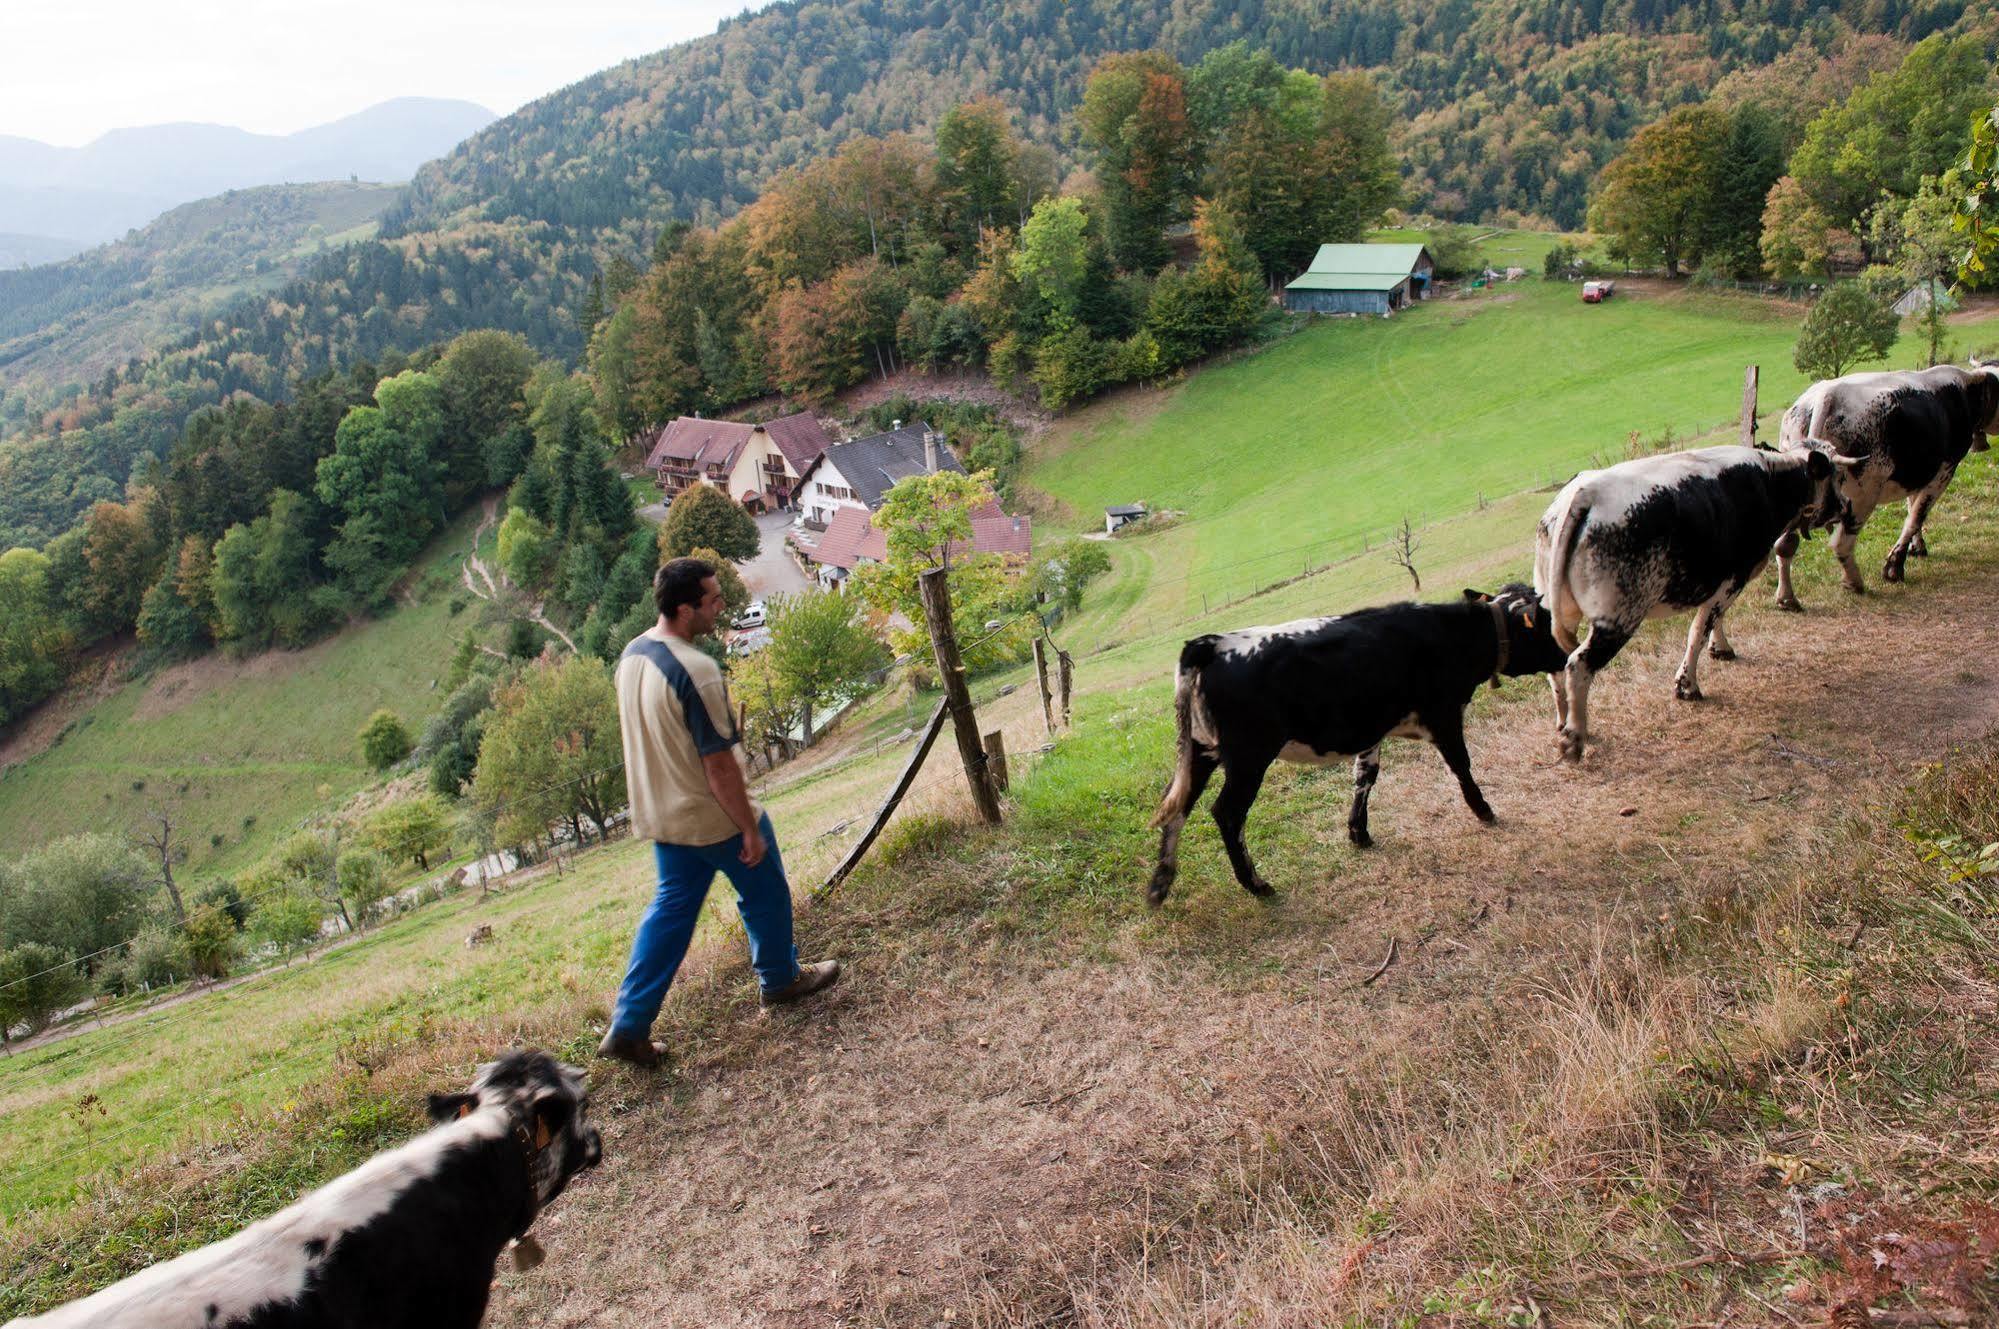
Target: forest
1502	111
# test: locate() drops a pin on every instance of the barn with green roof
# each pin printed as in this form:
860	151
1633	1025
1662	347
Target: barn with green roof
1361	279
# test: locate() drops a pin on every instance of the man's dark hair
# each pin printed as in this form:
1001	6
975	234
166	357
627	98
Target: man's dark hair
678	582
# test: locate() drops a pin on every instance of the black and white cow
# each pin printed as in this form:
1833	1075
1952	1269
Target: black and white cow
407	1239
1657	536
1911	428
1321	690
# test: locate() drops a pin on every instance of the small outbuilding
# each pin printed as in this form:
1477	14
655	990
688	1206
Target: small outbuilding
1124	514
1362	279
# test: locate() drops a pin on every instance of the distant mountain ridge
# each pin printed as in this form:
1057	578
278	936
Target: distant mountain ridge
127	177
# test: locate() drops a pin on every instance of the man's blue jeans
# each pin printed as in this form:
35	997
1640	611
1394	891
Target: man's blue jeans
763	897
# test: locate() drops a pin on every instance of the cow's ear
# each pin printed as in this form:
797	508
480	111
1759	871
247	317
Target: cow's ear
551	1115
1817	465
1476	597
1527	616
445	1107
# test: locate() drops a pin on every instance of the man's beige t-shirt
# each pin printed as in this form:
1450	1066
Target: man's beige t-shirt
673	710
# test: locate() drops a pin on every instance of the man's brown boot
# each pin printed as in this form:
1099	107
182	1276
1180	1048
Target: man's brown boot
640	1052
811	978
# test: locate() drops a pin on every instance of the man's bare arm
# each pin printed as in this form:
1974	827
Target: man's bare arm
725	781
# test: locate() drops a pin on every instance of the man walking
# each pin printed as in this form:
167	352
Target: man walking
690	799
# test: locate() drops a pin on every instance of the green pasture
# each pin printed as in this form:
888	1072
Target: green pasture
245	750
1456	413
1317	447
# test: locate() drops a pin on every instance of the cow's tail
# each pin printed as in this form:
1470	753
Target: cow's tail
1552	558
1194	657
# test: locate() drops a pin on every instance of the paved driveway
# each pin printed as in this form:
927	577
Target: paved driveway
772	571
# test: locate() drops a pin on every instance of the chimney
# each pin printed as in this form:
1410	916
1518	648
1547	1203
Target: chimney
930	452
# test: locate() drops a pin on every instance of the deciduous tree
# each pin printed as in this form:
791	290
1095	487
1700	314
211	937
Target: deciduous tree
1654	200
1847	326
551	751
703	517
822	649
414	829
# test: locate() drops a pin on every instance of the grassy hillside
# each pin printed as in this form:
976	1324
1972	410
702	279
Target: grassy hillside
1230	1095
1333	436
245	749
67	322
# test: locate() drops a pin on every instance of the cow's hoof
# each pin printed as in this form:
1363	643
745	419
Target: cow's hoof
1260	888
1687	690
1155	891
1361	839
1486	815
1855	587
1919	550
1570	746
1721	653
1789	604
1891	572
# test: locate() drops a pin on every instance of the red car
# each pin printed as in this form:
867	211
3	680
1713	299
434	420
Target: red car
1596	292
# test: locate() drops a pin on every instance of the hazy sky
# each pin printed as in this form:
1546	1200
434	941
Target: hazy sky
71	69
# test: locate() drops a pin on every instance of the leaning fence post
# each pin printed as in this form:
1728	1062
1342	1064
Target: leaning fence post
1041	676
1749	407
951	670
889	804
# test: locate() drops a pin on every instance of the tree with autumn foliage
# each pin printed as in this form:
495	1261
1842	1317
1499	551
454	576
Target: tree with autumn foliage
1134	114
1653	200
1300	161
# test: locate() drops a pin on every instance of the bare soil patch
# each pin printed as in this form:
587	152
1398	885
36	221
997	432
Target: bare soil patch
179	685
100	674
1002	1127
976	389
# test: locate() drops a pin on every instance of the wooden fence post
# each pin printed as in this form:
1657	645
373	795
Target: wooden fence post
1064	675
1749	408
1041	676
995	746
951	671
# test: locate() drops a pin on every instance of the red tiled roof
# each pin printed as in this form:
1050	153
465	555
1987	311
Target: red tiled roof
1002	535
701	442
841	544
800	438
851	537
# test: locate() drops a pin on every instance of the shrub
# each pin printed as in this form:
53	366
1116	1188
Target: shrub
1069	366
153	960
1452	250
225	896
524	639
384	740
208	943
37	983
526	548
287	921
364	881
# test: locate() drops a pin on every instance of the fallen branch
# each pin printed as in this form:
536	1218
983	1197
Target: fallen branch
1059	1098
1394	949
1772	1256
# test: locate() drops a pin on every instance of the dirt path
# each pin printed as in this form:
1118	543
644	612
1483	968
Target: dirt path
986	1130
497	588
